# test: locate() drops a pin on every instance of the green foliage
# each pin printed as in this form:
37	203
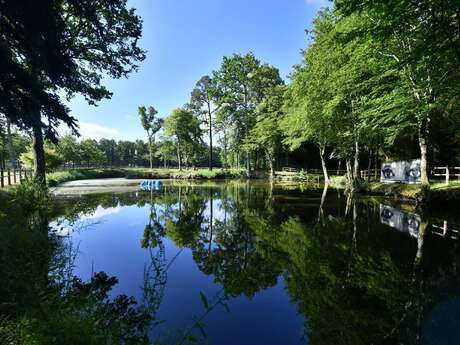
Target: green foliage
52	156
266	134
58	177
243	82
183	127
151	125
75	45
84	315
29	195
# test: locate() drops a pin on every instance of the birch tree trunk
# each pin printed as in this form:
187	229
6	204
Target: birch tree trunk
356	162
272	166
322	151
423	144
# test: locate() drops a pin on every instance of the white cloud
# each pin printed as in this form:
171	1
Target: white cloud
101	212
96	131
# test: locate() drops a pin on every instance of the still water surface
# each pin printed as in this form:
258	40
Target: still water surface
254	263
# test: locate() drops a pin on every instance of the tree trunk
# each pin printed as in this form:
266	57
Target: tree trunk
210	141
211	220
13	158
322	151
321	205
356	162
272	167
369	164
423	144
248	163
179	157
39	154
349	171
150	152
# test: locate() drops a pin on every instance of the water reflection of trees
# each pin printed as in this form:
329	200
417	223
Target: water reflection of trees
41	302
355	281
352	288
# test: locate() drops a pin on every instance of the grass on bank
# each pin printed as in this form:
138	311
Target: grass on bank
58	177
397	190
204	174
438	191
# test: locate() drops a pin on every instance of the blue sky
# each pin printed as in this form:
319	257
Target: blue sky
186	39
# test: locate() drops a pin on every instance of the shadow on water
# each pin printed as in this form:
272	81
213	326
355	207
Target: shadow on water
242	262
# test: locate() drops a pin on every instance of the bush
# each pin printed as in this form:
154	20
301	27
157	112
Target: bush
30	195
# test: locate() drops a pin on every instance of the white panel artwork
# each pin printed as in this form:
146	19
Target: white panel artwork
402	171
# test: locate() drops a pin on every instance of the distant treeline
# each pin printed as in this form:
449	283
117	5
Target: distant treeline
71	152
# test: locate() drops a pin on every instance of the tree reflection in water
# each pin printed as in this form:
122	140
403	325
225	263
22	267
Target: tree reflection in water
354	279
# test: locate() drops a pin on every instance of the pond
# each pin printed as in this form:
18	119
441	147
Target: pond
259	263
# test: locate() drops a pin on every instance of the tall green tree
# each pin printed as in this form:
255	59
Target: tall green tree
243	82
166	151
109	147
69	149
151	125
311	93
184	128
423	40
62	47
266	135
204	101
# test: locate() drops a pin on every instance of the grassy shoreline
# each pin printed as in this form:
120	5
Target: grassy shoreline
56	178
437	192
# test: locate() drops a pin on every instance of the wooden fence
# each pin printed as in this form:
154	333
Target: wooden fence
9	177
446	172
331	172
370	175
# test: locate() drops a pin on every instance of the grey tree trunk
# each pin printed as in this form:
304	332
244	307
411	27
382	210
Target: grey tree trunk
350	176
369	165
248	163
356	162
322	151
321	205
150	153
39	154
271	163
179	162
210	139
13	157
423	144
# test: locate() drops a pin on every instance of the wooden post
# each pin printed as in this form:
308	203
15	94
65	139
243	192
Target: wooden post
2	182
8	172
447	175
